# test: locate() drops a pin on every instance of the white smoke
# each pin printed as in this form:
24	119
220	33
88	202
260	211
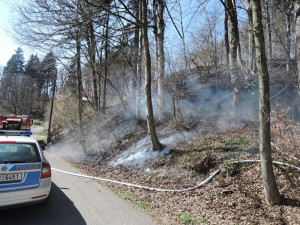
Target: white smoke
72	153
141	152
213	103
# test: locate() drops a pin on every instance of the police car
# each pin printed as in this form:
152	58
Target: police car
25	174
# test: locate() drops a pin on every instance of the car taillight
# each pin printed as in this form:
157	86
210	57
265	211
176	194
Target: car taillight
46	170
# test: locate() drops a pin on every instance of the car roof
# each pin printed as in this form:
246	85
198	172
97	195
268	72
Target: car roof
24	139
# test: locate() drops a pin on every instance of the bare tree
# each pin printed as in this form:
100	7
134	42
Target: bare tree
139	63
91	43
49	135
239	49
156	145
251	48
233	45
79	78
272	195
267	5
106	48
183	36
160	53
288	11
226	37
230	9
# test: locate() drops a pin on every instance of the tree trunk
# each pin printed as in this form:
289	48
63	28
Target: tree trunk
91	43
268	26
136	55
297	49
239	50
156	146
99	72
226	38
183	37
107	80
288	47
92	53
79	78
272	195
106	65
139	69
160	55
297	10
80	90
233	43
49	135
251	49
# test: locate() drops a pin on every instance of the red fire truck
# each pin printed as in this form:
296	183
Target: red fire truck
14	122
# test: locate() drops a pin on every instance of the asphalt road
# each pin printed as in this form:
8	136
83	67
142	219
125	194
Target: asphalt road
36	131
76	201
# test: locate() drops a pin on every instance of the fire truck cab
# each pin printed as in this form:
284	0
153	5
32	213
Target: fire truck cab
15	122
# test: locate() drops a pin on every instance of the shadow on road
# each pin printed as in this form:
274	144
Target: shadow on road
59	210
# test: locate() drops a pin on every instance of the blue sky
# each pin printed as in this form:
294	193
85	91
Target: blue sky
7	44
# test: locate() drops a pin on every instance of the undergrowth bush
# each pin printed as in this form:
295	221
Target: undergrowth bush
65	113
284	131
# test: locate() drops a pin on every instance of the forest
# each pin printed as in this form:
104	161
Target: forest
169	94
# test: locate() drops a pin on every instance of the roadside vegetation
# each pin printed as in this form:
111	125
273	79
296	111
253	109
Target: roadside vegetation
163	94
233	197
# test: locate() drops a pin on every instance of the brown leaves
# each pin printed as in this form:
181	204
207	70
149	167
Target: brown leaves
235	196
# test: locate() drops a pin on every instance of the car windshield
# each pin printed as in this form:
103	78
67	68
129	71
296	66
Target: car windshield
18	153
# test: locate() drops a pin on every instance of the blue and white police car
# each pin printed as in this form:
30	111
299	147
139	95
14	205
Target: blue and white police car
25	174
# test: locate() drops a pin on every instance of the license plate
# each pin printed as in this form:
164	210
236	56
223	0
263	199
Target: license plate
11	177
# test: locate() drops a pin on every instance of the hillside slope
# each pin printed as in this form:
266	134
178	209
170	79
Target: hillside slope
200	135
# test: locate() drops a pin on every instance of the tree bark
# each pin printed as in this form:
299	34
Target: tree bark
226	38
91	43
139	69
79	77
106	65
288	41
272	195
297	49
136	55
87	17
268	26
233	44
183	38
49	135
251	45
160	55
297	10
156	145
237	33
92	53
80	90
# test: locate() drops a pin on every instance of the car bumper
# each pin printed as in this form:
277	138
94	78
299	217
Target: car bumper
26	196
